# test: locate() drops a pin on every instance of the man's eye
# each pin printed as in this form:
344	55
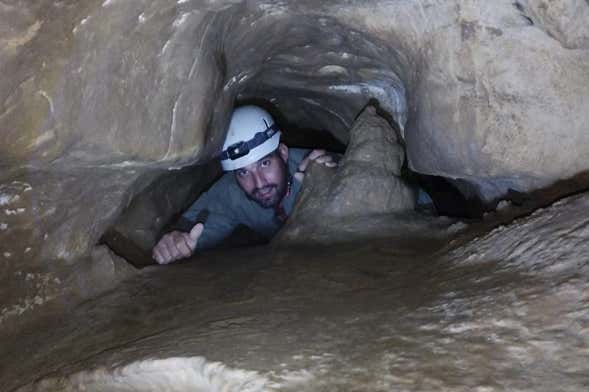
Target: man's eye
242	173
266	162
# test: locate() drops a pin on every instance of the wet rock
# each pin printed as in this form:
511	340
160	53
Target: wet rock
562	20
50	223
546	242
97	94
189	374
101	271
469	84
161	203
367	182
372	316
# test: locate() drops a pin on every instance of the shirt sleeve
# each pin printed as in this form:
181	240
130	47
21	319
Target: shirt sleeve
221	220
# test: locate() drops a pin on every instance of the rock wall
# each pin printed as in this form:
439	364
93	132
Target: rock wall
335	204
96	95
481	91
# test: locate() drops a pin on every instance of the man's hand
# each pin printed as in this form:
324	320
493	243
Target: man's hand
177	245
319	156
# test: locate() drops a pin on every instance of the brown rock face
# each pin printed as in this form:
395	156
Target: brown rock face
489	93
98	96
369	180
334	203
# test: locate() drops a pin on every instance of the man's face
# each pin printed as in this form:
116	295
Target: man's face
265	181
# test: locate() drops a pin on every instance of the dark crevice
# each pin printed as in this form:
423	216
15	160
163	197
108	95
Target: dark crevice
522	11
298	137
519	6
449	200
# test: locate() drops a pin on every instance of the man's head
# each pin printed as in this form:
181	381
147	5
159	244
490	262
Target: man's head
252	150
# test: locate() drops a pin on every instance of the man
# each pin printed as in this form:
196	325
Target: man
259	188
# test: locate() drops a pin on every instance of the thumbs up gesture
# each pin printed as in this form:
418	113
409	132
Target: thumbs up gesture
177	245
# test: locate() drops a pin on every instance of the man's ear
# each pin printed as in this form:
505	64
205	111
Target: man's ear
283	151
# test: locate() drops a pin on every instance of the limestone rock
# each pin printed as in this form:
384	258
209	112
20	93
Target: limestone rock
368	180
492	309
97	94
366	183
161	203
489	93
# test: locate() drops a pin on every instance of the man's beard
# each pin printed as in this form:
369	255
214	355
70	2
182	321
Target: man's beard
270	201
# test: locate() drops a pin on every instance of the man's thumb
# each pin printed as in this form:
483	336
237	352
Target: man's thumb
195	233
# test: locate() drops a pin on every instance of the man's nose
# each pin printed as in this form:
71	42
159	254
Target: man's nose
259	181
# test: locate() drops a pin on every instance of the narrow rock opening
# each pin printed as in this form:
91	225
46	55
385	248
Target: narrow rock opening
154	210
315	75
376	134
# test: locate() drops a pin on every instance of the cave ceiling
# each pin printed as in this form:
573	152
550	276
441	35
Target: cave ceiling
481	91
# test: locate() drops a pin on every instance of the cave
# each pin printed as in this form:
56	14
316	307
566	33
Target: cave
111	115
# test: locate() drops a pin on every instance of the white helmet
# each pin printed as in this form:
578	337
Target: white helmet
251	136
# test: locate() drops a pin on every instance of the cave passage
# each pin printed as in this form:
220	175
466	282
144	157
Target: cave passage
133	235
111	112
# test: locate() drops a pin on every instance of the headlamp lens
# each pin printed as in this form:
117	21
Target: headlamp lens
238	150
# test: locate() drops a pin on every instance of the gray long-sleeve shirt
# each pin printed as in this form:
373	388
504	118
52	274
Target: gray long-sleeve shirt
228	207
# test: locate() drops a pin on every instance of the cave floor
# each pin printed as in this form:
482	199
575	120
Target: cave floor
380	315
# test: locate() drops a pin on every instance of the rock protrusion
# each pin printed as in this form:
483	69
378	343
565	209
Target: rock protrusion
367	182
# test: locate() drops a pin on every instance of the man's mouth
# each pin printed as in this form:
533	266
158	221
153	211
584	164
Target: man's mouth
265	192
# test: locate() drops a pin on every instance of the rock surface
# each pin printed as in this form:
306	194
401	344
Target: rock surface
161	203
463	308
366	184
485	92
98	96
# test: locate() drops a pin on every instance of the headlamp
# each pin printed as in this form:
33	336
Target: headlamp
240	149
237	150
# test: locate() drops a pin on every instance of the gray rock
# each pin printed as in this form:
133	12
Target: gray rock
366	183
493	93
